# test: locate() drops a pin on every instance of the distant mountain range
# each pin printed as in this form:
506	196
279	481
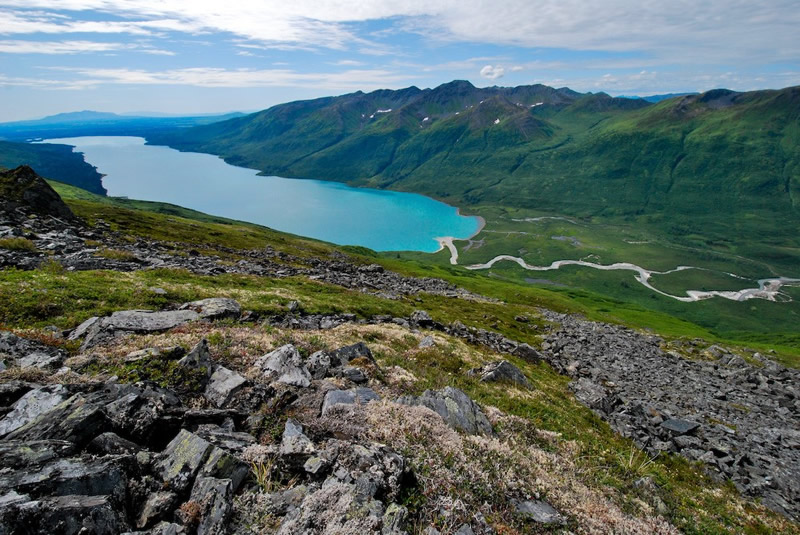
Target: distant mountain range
723	160
95	123
659	98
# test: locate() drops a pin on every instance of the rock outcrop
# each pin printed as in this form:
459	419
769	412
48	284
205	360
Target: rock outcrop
741	419
23	188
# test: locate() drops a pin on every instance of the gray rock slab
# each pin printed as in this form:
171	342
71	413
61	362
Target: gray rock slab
426	342
77	420
455	408
421	318
112	444
26	454
66	515
347	397
199	357
294	441
221	464
319	364
540	512
679	426
281	502
347	353
157	506
148	321
62	477
81	330
222	386
215	308
215	497
527	352
40	360
503	371
31	406
182	459
285	365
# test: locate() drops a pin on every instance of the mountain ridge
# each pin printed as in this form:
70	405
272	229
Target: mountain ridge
527	146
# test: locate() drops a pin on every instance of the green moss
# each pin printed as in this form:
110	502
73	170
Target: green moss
17	244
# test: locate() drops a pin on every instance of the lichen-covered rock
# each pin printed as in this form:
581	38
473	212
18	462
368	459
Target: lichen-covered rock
144	414
294	442
22	187
158	505
426	342
347	353
61	477
32	405
335	509
135	321
182	459
285	365
81	330
502	371
30	454
215	497
455	408
319	363
112	444
347	397
215	308
421	318
540	512
41	360
63	515
394	520
527	352
199	358
223	385
76	420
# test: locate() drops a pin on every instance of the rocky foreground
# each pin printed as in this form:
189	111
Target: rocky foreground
146	429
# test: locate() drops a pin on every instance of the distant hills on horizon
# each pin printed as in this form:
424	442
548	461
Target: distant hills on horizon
92	115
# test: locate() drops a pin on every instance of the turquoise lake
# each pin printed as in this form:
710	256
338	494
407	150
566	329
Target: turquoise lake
330	211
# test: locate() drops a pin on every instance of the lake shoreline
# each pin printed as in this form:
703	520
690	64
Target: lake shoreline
378	219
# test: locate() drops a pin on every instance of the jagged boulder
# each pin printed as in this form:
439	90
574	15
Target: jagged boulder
23	188
64	515
215	500
358	350
24	454
223	385
501	371
539	512
32	405
76	420
455	408
29	353
285	365
199	358
347	397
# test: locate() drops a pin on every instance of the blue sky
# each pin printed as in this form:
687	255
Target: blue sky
185	56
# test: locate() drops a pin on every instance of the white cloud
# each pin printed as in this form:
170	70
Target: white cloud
731	30
73	47
348	63
218	77
56	47
492	73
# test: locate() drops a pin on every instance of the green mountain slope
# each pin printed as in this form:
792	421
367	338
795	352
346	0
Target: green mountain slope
57	162
722	161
